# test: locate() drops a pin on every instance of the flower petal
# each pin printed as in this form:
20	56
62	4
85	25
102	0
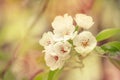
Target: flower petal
84	21
47	39
85	42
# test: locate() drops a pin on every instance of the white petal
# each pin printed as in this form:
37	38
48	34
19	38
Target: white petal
62	48
59	22
84	21
52	63
58	65
76	40
74	35
47	39
63	28
89	46
65	34
50	50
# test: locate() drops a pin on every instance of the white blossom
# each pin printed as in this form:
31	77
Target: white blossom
84	21
61	49
63	28
49	50
84	43
56	47
54	61
57	54
47	39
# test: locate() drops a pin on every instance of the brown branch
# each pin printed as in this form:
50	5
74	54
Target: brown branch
5	69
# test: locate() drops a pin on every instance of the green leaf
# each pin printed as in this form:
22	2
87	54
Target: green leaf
115	62
41	76
111	47
53	74
38	77
105	34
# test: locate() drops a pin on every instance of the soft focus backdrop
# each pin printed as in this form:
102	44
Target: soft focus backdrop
22	23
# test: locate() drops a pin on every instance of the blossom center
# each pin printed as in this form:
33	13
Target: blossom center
65	33
48	42
85	43
56	58
63	50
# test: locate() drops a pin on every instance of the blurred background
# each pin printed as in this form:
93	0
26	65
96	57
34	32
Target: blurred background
22	23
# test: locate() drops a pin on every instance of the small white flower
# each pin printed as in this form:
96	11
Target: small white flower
84	43
60	22
60	48
47	39
50	50
63	49
84	21
57	54
63	28
54	61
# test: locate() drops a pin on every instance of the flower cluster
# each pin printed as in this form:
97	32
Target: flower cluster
66	36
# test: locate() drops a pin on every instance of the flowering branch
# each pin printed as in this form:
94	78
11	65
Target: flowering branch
67	37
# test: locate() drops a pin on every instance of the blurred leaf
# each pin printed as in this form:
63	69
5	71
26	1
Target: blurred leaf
4	56
53	75
9	76
41	76
112	47
115	62
105	34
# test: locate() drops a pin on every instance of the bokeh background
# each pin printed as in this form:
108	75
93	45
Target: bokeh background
22	23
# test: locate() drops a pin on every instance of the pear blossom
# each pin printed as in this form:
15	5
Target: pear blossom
54	61
84	43
50	50
63	28
84	21
63	48
59	48
56	46
47	39
57	54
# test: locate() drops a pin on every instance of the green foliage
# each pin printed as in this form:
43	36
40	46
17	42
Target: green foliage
41	76
9	76
112	47
105	34
53	75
